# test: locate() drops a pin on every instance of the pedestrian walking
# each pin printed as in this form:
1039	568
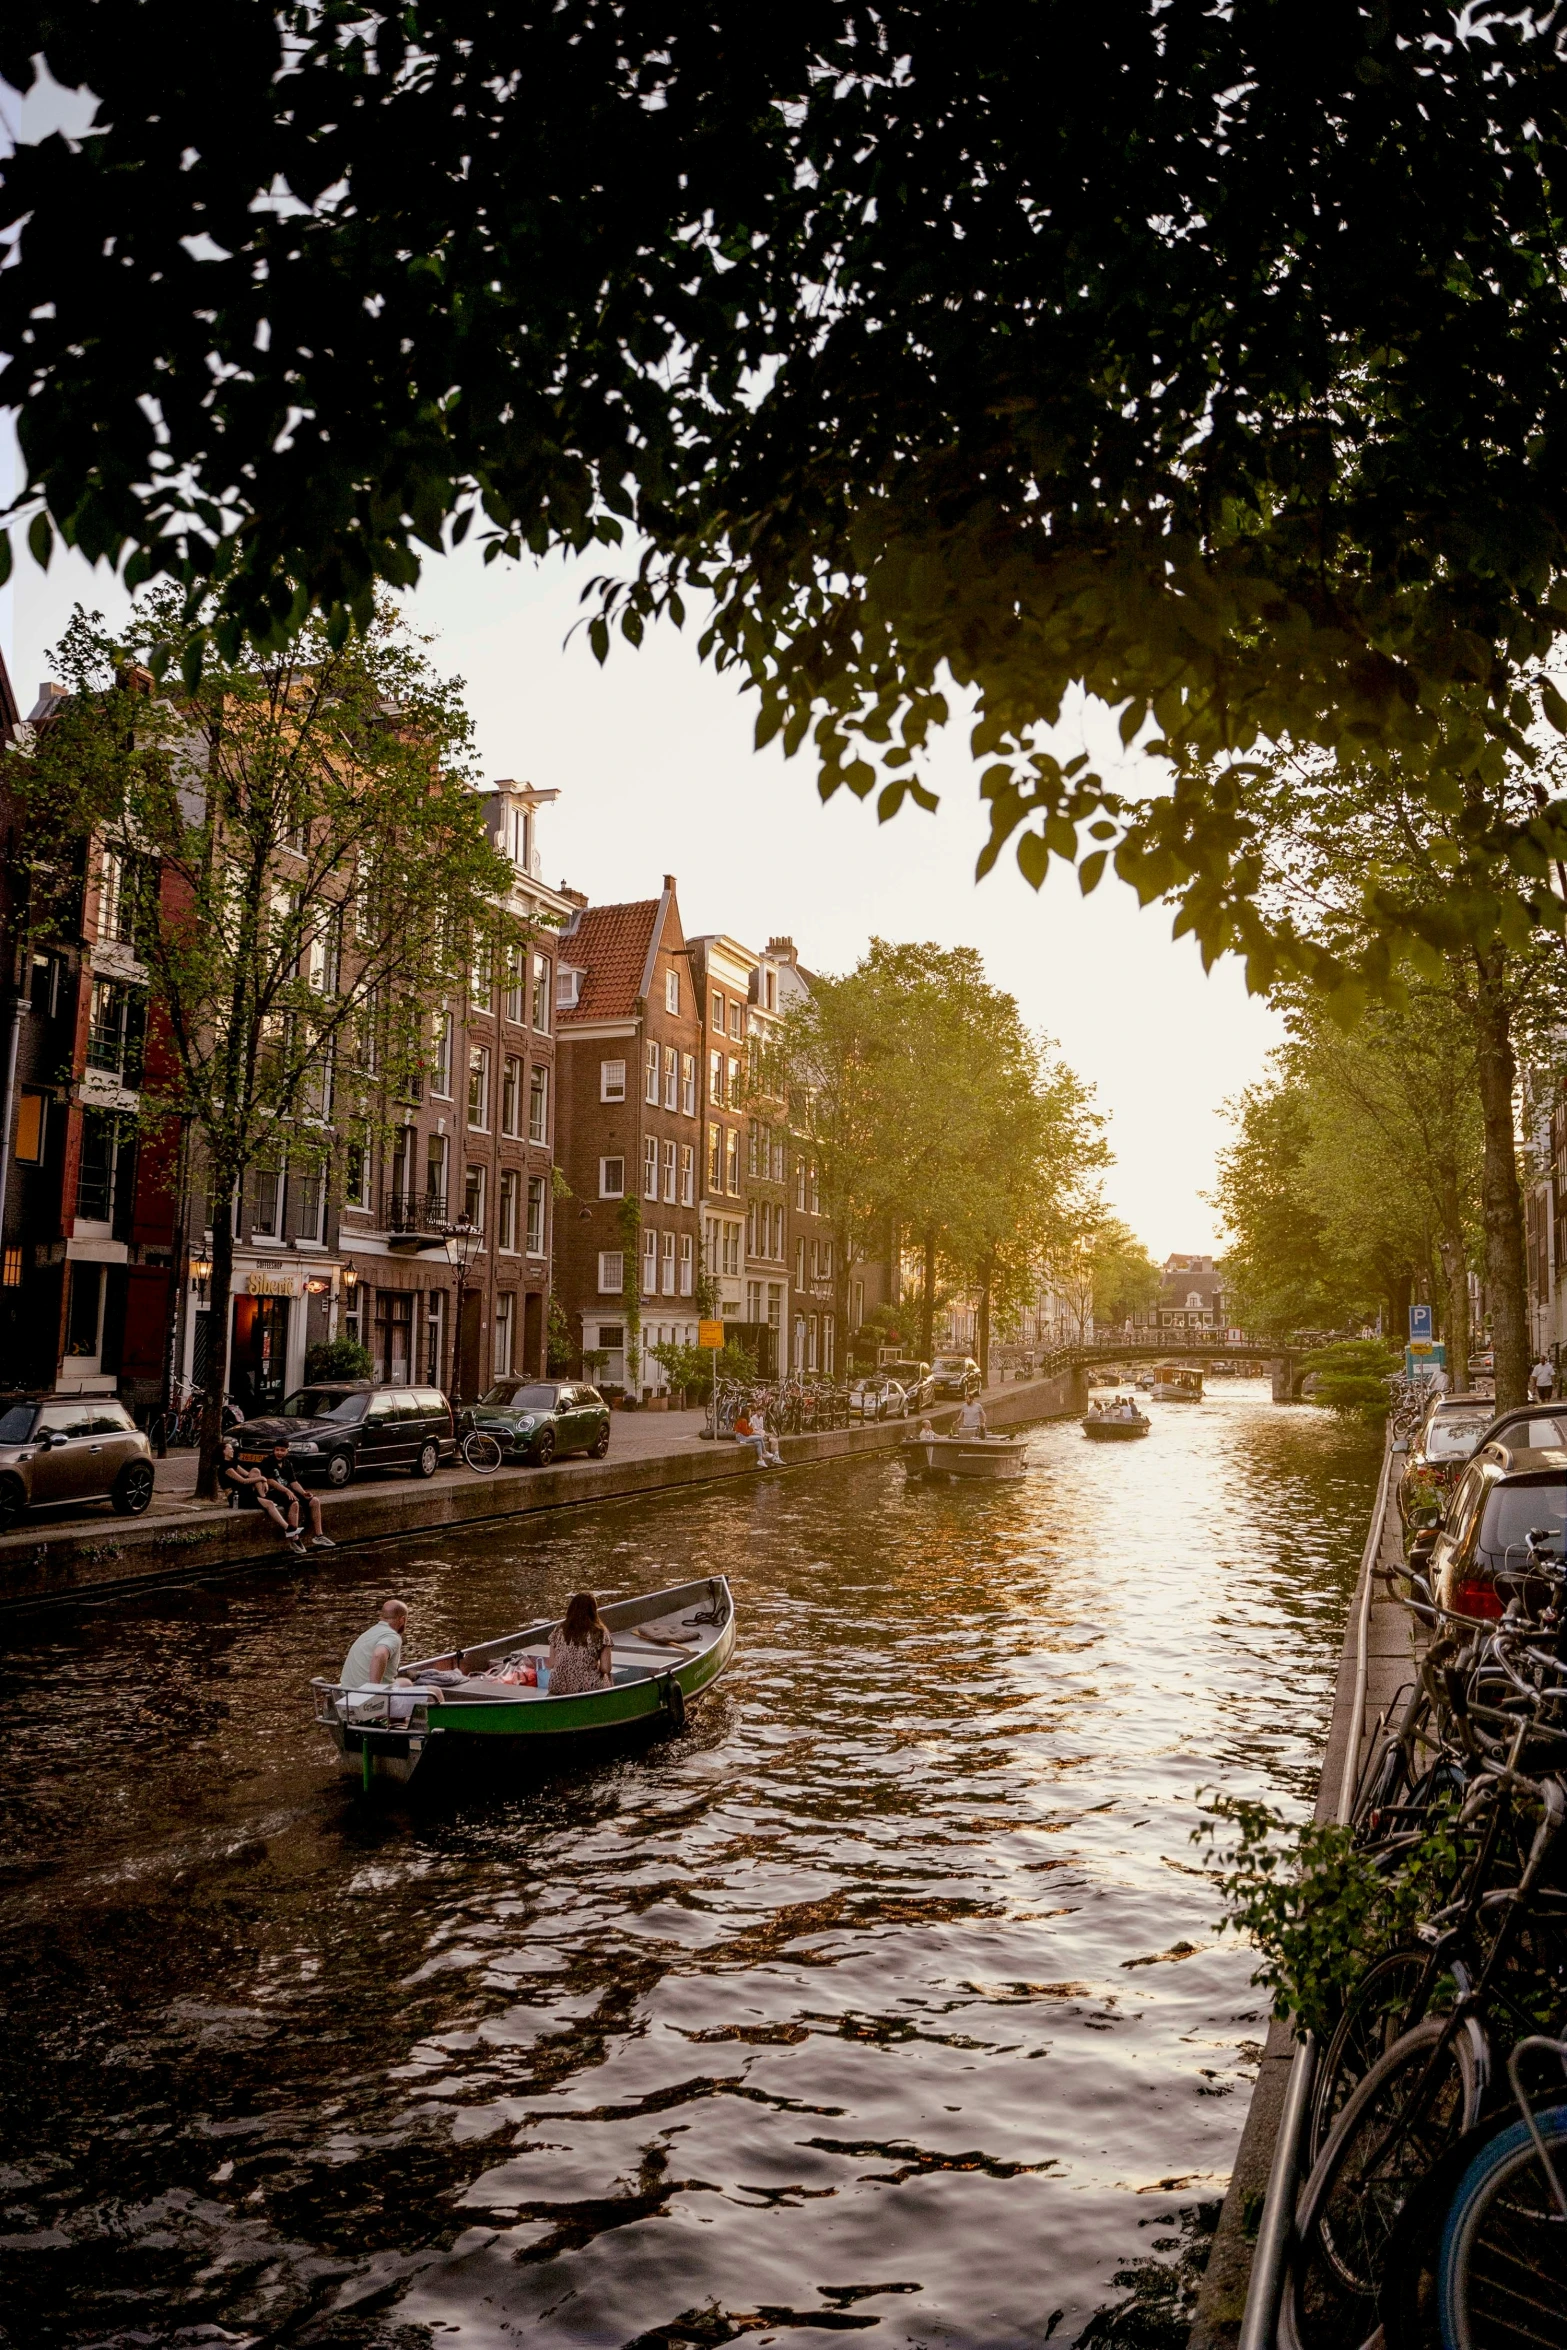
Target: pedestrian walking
1542	1380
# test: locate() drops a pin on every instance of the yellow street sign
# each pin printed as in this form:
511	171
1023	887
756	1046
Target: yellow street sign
710	1334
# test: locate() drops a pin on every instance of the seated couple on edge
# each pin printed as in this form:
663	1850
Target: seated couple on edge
580	1651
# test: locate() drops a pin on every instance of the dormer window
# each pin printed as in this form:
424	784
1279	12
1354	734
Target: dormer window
568	987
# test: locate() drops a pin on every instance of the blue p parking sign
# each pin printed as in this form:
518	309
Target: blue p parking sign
1420	1322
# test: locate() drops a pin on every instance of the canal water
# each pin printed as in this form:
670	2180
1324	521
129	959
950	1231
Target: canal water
887	1999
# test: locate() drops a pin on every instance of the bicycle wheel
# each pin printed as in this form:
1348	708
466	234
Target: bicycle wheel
1502	2271
481	1451
1380	2010
1412	2104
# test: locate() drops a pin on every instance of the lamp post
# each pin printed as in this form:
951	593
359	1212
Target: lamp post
462	1242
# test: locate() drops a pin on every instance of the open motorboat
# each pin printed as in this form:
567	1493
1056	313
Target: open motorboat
482	1703
1114	1415
983	1460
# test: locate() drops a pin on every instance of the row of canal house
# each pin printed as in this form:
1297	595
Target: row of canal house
595	1111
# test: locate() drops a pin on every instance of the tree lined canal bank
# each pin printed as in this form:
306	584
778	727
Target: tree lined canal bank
889	1993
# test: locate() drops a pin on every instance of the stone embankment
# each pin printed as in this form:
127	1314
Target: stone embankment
95	1557
1391	1657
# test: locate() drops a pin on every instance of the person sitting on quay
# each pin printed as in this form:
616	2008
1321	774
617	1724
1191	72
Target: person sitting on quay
239	1480
580	1654
294	1496
751	1429
375	1656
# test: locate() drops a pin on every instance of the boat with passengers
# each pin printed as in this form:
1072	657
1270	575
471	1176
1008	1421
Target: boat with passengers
1177	1383
1114	1416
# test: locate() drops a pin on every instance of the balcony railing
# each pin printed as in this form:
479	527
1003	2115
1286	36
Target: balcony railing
413	1211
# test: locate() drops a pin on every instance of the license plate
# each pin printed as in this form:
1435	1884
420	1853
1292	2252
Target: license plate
252	1460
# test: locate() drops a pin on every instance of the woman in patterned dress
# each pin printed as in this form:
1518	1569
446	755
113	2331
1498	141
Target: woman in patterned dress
580	1656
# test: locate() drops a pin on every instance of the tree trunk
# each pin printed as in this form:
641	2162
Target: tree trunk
1500	1193
1455	1281
984	1324
220	1312
928	1302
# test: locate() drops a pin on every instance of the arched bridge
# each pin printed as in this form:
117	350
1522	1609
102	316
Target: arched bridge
1102	1354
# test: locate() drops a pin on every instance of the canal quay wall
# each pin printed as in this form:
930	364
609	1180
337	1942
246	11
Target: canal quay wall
1391	1652
98	1559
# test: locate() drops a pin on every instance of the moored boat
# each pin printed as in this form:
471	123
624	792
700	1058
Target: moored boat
1177	1383
983	1460
670	1647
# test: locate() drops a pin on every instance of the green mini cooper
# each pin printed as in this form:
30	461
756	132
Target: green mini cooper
538	1420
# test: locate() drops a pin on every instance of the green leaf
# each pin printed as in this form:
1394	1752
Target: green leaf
40	540
1033	859
1553	705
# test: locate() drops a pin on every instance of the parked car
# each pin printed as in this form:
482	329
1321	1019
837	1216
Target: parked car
539	1420
954	1378
1452	1431
877	1398
916	1383
58	1449
341	1426
1476	1555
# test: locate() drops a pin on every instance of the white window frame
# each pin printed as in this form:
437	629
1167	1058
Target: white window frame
650	1068
688	1085
687	1264
669	1173
732	1162
612	1188
506	1213
669	1264
715	1079
688	1174
511	1096
479	1066
649	1262
474	1190
537	1236
359	1198
612	1081
671	1078
441	1058
649	1166
541	994
539	1103
672	992
612	1271
505	1326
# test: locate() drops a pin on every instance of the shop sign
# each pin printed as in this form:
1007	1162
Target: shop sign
276	1284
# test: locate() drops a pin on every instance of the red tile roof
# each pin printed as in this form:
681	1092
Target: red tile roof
609	945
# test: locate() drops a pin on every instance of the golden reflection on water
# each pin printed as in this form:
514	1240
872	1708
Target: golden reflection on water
888	1999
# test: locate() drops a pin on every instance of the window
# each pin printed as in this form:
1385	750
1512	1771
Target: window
733	1161
473	1198
715	1158
650	1088
750	1149
266	1215
799	1264
506	1212
481	978
669	1264
813	1342
356	1175
816	1191
435	1153
799	1185
770	988
649	1264
649	1167
672	991
539	1104
568	986
780	1161
715	1078
117	898
857	1303
826	1260
688	1084
30	1129
687	1265
308	1203
541	994
736	1017
441	1056
536	1241
671	1078
669	1173
511	1096
687	1174
612	1271
778	1233
774	1304
435	1337
729	1241
612	1081
717	1022
505	1307
479	1087
734	1090
11	1269
612	1179
514	977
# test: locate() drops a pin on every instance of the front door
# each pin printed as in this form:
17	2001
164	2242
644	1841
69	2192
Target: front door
258	1363
394	1333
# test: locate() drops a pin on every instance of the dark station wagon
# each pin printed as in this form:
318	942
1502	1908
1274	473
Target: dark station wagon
539	1420
339	1427
1507	1504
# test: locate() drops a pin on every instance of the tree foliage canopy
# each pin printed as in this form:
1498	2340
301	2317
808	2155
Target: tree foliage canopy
1200	353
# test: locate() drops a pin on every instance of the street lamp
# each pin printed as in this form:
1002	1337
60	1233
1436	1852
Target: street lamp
462	1244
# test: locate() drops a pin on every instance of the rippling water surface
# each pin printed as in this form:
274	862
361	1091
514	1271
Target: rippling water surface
886	1999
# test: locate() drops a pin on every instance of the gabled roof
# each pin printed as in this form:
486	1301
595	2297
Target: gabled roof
610	946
